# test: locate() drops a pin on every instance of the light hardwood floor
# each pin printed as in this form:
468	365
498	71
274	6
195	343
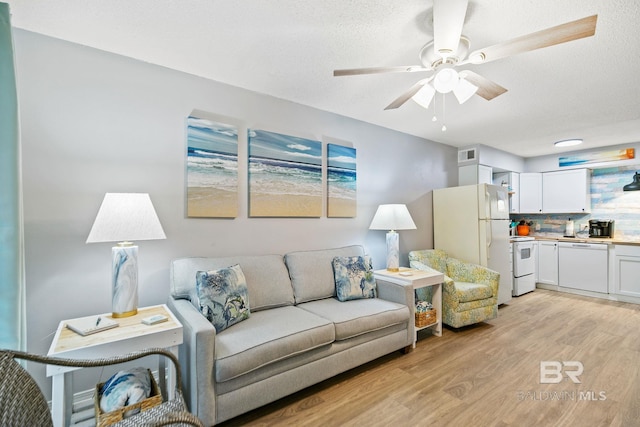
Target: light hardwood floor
489	374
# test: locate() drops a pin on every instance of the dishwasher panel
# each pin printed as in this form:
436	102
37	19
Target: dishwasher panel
583	266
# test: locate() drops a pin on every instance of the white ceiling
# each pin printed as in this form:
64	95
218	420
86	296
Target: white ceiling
289	48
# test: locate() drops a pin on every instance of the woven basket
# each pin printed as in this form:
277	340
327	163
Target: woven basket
104	419
425	318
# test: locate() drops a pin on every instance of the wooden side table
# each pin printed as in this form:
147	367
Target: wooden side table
130	335
418	279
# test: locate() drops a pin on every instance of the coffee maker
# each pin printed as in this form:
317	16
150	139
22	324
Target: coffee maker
600	228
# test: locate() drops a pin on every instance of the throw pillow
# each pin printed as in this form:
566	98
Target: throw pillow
125	388
223	296
354	278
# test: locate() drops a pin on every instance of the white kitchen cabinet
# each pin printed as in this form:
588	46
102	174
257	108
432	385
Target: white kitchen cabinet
583	266
566	191
512	181
475	174
548	262
531	192
626	270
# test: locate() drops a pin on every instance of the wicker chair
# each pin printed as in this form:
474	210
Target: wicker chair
23	404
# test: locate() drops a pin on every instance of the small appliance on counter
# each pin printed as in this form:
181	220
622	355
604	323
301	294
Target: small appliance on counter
601	228
569	231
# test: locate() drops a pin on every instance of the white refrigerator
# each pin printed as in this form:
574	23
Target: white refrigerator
471	223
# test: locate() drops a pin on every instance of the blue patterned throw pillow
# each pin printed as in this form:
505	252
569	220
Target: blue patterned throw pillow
223	296
354	278
125	388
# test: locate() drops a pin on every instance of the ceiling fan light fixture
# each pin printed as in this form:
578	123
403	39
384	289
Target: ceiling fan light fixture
446	80
464	90
477	58
424	96
568	142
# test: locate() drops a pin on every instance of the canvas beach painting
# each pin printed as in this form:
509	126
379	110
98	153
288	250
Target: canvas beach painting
285	175
341	181
212	169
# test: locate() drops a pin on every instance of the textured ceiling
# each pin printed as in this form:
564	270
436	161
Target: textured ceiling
289	48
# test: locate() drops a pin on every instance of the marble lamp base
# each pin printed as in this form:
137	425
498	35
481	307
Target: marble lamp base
124	278
393	251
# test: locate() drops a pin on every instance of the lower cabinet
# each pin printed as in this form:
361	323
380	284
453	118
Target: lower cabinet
548	262
626	270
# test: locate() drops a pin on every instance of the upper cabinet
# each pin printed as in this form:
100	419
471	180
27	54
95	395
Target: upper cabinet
566	191
531	192
511	180
555	192
475	174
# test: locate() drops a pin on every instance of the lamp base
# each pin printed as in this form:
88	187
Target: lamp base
124	280
393	251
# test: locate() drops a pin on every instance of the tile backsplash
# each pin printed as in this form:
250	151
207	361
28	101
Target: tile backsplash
608	201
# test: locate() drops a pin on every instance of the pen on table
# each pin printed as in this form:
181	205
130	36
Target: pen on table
98	321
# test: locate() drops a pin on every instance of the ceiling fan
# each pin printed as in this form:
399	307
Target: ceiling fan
449	49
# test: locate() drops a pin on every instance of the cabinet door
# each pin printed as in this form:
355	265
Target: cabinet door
515	193
566	191
548	262
531	192
626	270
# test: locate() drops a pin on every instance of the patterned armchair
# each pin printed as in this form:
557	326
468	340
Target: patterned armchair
470	292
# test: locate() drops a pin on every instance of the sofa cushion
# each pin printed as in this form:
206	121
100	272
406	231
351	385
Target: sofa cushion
357	317
267	337
354	278
222	296
311	272
267	278
468	292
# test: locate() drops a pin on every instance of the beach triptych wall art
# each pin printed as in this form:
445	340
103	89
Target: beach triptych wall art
341	181
212	169
285	175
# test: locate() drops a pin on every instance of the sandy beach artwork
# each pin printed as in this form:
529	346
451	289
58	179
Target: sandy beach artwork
285	175
212	169
341	181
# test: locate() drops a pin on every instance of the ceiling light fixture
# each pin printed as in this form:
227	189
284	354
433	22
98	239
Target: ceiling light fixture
567	142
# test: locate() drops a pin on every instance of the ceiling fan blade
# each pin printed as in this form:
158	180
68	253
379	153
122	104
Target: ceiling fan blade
399	101
380	70
448	19
486	88
574	30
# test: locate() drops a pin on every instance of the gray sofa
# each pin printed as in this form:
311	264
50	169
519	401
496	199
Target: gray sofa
298	333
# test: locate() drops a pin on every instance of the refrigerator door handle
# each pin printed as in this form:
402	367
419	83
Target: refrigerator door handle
487	203
489	238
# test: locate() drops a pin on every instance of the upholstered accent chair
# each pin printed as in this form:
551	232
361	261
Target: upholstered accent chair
470	292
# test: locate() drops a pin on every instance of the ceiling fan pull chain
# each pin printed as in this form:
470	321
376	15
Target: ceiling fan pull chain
444	118
434	118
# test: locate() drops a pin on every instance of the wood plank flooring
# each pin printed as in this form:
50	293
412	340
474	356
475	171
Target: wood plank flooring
489	374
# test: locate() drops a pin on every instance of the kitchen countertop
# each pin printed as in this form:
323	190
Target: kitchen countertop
584	239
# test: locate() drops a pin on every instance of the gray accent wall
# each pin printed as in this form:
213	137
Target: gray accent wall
94	122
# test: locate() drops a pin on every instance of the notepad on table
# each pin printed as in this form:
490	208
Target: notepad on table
91	325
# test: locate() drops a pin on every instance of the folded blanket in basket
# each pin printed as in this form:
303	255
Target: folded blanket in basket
125	388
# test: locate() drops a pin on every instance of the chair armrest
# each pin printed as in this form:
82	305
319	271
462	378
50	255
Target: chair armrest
448	285
473	273
198	356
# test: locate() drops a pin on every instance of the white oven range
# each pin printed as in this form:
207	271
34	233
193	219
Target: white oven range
524	264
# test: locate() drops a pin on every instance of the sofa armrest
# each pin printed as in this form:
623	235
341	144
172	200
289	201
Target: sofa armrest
197	356
401	294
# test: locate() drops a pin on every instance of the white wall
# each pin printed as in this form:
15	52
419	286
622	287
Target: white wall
94	122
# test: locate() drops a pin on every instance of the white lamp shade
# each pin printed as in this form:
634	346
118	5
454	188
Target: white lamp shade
392	217
464	91
126	217
424	96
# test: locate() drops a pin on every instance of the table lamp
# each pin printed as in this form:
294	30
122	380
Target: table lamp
392	217
123	218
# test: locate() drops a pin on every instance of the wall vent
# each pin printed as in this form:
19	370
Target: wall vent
466	156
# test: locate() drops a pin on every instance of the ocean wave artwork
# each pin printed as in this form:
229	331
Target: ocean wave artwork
285	175
212	169
341	181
